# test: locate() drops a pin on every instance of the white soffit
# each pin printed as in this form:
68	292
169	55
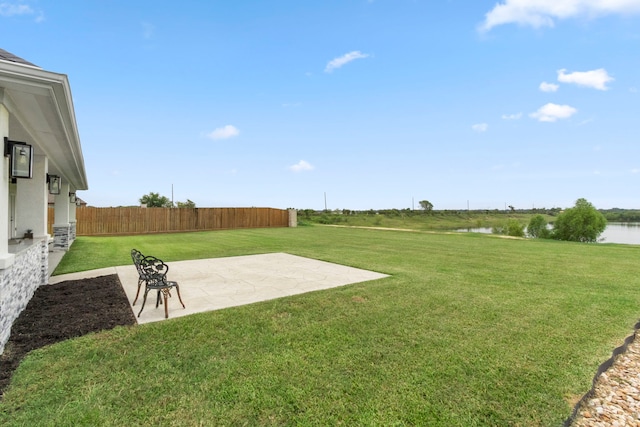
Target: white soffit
42	114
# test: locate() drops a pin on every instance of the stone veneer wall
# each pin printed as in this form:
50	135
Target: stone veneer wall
72	232
61	236
19	282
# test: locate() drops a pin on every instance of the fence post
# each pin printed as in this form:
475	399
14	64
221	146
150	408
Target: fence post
293	217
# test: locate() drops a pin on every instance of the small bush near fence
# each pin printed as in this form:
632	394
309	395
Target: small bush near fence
134	220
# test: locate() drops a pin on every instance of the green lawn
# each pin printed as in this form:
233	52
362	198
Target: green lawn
469	330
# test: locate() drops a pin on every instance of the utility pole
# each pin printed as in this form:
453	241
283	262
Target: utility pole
325	200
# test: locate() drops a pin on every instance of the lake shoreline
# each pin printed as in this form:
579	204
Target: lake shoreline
627	233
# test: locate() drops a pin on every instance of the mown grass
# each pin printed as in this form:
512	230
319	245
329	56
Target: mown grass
469	330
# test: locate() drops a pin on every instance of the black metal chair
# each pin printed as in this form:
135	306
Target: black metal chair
155	278
137	258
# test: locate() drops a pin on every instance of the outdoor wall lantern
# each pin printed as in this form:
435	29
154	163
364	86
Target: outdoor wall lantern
72	198
54	184
21	153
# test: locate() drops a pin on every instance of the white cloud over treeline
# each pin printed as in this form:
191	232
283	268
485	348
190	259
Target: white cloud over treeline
548	87
301	166
340	61
513	116
544	13
225	132
596	79
552	112
9	9
480	127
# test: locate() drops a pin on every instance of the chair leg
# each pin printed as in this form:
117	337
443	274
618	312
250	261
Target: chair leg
144	300
179	297
166	306
137	293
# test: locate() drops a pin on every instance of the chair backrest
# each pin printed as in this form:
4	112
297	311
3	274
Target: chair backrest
137	258
154	268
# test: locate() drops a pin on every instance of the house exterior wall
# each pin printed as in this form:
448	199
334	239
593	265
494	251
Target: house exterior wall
61	237
19	282
72	231
6	258
31	201
36	107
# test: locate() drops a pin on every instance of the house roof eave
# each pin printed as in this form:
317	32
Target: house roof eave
42	113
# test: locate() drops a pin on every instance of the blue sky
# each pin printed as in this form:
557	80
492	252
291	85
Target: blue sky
375	103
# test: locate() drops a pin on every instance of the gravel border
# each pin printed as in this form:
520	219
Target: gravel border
614	398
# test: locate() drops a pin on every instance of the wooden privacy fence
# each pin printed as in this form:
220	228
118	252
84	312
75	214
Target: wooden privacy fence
134	220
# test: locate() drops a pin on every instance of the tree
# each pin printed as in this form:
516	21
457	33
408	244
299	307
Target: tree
582	223
187	204
426	205
537	227
155	200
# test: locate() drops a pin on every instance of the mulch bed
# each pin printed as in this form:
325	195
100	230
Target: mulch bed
62	311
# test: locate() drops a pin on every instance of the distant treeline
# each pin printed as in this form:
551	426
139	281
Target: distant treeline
308	213
615	214
341	215
621	215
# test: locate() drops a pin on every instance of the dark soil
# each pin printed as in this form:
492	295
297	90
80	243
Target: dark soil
62	311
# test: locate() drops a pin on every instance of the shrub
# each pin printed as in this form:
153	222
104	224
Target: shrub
514	228
582	223
537	228
511	228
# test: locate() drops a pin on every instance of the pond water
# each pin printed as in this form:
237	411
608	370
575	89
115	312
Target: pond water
616	232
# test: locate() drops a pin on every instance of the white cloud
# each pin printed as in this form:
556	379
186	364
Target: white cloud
552	112
544	13
344	59
224	132
515	116
548	87
635	171
480	127
8	9
301	166
596	79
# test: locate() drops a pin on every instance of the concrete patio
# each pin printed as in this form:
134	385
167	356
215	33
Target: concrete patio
212	284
